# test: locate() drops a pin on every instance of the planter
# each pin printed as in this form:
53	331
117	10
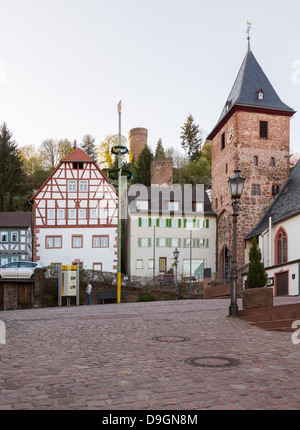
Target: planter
257	297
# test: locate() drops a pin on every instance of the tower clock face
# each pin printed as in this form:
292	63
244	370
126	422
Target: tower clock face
230	135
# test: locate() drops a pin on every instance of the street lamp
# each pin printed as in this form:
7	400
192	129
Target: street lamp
236	185
176	258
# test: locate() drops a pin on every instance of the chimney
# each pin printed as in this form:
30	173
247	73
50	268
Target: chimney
162	172
137	140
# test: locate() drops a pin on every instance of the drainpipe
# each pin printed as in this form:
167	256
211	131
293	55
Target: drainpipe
270	241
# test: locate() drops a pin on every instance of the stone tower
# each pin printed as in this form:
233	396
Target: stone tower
253	134
137	140
162	171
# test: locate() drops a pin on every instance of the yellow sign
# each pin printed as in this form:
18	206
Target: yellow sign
68	267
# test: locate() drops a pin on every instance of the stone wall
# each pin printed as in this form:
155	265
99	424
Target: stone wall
162	171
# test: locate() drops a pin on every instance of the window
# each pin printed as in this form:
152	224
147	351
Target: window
103	213
142	205
272	161
93	213
173	206
222	141
53	242
14	236
78	165
255	160
174	242
83	186
72	213
199	207
77	241
275	190
161	242
82	213
97	266
60	213
51	213
15	258
255	190
150	264
281	246
162	222
263	129
174	222
4	236
139	264
226	168
144	222
100	241
197	268
72	186
189	223
144	242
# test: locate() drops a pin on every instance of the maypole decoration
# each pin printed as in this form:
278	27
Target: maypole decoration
114	174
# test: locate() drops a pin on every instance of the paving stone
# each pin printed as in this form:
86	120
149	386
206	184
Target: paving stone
104	357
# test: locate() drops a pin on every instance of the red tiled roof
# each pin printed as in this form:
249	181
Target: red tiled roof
78	155
15	219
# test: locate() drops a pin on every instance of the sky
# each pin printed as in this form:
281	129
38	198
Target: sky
65	64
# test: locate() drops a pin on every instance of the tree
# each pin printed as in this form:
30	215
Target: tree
142	167
64	148
49	151
88	146
105	156
11	170
159	151
191	138
257	276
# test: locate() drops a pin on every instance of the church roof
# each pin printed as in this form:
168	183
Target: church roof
244	93
285	205
78	155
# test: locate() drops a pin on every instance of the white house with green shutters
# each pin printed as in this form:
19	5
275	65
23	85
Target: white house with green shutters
161	219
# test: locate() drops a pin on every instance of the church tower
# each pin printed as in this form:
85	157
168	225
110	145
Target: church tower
253	134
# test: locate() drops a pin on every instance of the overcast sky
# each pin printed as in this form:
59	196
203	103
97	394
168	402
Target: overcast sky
65	64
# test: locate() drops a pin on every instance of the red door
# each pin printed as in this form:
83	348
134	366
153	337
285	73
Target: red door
282	284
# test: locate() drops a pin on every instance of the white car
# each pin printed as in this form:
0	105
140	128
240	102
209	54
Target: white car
18	269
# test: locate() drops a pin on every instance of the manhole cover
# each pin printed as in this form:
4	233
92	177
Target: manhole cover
170	338
212	362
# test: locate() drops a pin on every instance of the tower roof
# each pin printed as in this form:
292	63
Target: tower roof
251	80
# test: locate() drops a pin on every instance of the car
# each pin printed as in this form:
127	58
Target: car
19	269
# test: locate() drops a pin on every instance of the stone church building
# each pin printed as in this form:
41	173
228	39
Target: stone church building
253	134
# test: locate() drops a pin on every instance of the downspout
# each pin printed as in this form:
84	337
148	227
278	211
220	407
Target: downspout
270	241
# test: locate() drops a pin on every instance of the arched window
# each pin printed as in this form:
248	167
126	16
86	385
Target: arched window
281	246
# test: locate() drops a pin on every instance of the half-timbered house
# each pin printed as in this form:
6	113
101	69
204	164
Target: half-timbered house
15	237
76	216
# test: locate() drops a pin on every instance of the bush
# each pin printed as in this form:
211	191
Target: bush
147	298
257	276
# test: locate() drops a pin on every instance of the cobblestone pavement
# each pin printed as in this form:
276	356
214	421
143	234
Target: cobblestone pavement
180	355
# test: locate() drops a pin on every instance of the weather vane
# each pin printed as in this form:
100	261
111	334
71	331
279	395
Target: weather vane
248	32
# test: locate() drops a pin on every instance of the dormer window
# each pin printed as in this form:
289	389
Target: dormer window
260	94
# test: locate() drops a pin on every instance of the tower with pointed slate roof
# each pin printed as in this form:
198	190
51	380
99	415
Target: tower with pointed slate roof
252	133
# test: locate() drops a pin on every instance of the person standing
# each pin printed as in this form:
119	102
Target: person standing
89	292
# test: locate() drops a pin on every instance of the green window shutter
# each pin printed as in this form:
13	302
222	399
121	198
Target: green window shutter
184	223
140	222
184	243
157	222
179	223
179	243
139	242
157	241
194	223
149	242
170	222
207	223
198	223
149	222
207	243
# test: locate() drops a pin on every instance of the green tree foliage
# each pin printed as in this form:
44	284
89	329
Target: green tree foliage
11	170
142	167
257	276
88	146
105	156
159	151
191	138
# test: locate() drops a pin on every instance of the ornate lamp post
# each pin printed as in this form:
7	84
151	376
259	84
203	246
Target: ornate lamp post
176	258
236	185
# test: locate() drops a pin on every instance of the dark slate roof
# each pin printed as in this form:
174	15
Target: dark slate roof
285	205
250	79
158	198
15	219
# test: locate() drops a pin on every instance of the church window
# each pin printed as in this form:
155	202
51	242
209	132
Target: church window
281	246
275	190
223	141
255	190
263	129
272	161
